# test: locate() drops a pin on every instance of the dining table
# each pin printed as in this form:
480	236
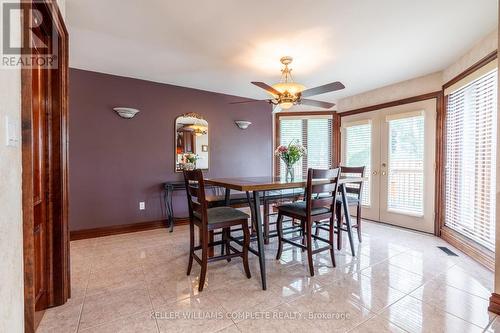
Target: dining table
255	187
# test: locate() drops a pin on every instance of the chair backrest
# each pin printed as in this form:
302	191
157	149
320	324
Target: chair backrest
354	189
324	194
195	189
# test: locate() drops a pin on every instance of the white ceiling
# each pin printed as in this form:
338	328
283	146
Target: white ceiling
222	45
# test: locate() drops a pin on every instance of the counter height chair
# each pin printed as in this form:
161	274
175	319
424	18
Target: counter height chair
354	191
209	219
319	204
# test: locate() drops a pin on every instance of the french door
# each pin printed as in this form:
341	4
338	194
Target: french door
397	146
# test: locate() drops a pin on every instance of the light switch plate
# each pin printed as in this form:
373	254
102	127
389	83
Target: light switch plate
142	205
12	131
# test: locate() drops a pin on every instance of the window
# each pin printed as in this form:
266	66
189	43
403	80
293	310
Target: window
358	148
315	133
471	134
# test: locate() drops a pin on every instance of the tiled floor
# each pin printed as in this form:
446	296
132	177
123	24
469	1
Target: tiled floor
399	282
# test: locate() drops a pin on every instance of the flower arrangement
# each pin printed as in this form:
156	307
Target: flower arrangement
290	155
189	161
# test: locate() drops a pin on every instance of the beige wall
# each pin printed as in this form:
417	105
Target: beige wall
394	92
482	48
424	84
11	240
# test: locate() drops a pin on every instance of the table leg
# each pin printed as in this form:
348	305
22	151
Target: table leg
227	197
260	239
347	218
169	205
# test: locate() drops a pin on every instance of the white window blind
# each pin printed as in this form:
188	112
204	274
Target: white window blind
406	165
358	148
471	132
314	133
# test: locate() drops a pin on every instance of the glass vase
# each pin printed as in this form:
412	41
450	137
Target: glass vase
290	172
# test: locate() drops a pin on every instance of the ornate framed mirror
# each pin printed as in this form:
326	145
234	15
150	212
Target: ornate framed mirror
192	147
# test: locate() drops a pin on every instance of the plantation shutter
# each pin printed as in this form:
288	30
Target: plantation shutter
471	132
314	133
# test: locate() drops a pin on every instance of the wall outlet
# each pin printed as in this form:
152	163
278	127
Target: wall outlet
142	205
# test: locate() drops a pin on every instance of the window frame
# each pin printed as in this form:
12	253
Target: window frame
335	138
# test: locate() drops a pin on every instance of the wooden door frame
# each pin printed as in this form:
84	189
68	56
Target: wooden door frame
439	174
58	234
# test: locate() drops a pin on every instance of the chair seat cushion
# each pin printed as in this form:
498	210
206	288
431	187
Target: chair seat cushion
350	200
223	214
299	208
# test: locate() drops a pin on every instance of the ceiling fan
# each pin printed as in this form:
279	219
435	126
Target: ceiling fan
287	93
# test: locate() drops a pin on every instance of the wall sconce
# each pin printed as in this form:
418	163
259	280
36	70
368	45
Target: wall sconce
243	124
126	113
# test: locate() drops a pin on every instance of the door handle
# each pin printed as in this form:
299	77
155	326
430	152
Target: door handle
374	173
384	173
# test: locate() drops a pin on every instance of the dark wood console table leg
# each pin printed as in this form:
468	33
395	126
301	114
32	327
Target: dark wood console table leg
169	190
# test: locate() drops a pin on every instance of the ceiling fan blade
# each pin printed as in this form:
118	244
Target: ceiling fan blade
267	88
334	86
250	101
312	102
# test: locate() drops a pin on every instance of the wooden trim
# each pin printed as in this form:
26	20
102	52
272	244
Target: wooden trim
386	105
490	57
439	183
305	113
123	229
27	190
335	152
484	257
336	143
494	303
58	290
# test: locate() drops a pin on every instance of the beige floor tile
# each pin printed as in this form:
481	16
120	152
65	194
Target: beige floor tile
114	303
455	301
397	278
124	277
114	278
246	296
494	326
63	319
330	312
230	329
165	291
377	324
472	280
427	265
136	323
196	314
284	318
369	293
414	315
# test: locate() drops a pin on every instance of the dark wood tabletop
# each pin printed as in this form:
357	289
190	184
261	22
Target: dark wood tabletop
269	183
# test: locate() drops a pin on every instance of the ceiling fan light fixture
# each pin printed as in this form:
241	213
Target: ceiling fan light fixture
290	87
285	105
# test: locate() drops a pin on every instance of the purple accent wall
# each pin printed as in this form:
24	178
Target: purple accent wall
115	163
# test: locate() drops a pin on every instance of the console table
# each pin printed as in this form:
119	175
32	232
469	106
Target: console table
168	190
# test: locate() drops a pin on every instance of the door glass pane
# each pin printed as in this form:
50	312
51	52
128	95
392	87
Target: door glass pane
406	165
358	147
291	132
